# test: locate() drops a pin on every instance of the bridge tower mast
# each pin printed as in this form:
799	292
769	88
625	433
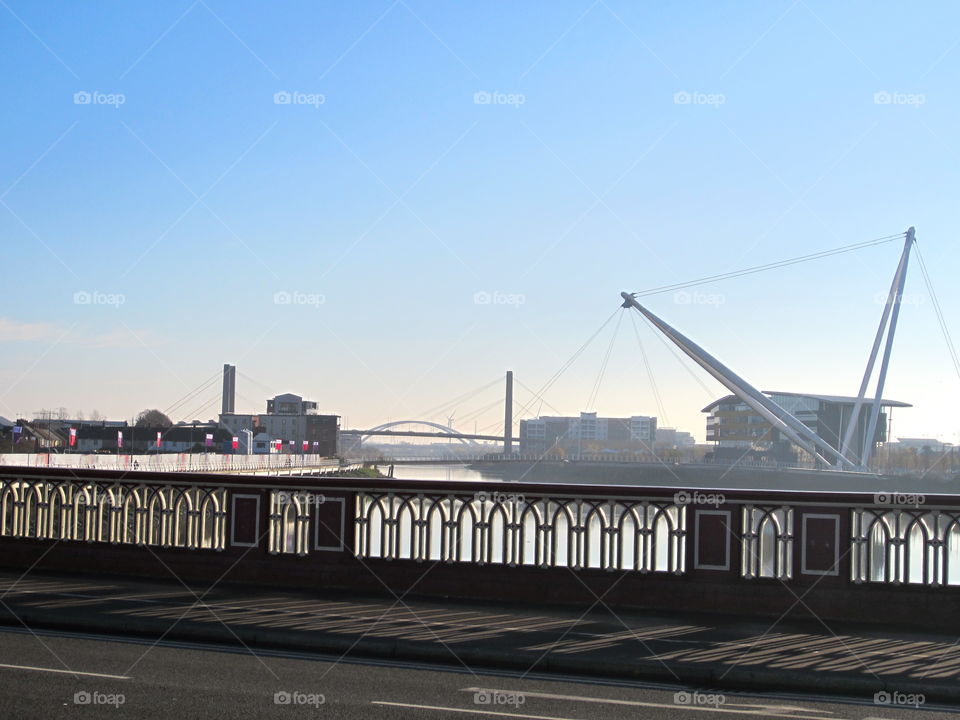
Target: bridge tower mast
891	311
508	416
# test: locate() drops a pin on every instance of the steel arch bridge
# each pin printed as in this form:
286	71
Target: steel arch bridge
437	431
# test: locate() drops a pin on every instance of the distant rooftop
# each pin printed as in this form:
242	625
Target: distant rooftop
838	399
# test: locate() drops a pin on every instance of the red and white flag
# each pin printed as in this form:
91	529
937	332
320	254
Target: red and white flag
236	442
119	438
73	437
306	444
209	440
277	444
158	438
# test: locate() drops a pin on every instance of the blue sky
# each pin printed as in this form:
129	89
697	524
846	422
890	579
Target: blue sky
541	153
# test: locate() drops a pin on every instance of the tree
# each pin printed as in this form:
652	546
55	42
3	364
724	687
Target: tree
152	418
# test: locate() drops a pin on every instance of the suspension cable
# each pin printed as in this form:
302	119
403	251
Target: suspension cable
569	362
459	399
646	363
769	266
603	365
944	330
192	394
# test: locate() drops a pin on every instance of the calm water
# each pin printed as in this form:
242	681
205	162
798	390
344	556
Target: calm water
435	472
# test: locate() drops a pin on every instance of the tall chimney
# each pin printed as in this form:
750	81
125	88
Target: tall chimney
508	416
229	389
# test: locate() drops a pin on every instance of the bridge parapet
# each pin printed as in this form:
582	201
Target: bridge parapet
762	552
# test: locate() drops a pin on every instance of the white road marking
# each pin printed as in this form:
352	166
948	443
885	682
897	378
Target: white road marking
65	672
468	710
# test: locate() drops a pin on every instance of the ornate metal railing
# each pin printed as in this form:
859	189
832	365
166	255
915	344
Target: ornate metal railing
906	546
767	539
510	529
121	513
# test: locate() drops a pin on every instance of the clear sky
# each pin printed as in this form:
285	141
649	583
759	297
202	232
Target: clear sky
174	171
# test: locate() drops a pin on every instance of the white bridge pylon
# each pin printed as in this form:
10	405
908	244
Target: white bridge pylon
781	419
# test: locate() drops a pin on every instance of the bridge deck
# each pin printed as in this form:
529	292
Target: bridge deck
691	649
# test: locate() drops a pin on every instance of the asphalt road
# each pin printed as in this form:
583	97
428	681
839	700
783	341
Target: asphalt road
54	675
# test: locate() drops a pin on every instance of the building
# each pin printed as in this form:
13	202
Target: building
588	434
736	429
289	418
180	438
673	439
925	444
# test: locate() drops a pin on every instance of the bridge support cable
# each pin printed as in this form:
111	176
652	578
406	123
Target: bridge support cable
646	364
572	359
603	365
681	362
196	413
891	313
459	400
777	416
951	348
769	266
193	393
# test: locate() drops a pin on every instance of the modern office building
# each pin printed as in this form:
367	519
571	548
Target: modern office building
735	428
588	434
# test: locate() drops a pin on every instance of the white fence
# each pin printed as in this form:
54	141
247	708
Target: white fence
169	462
